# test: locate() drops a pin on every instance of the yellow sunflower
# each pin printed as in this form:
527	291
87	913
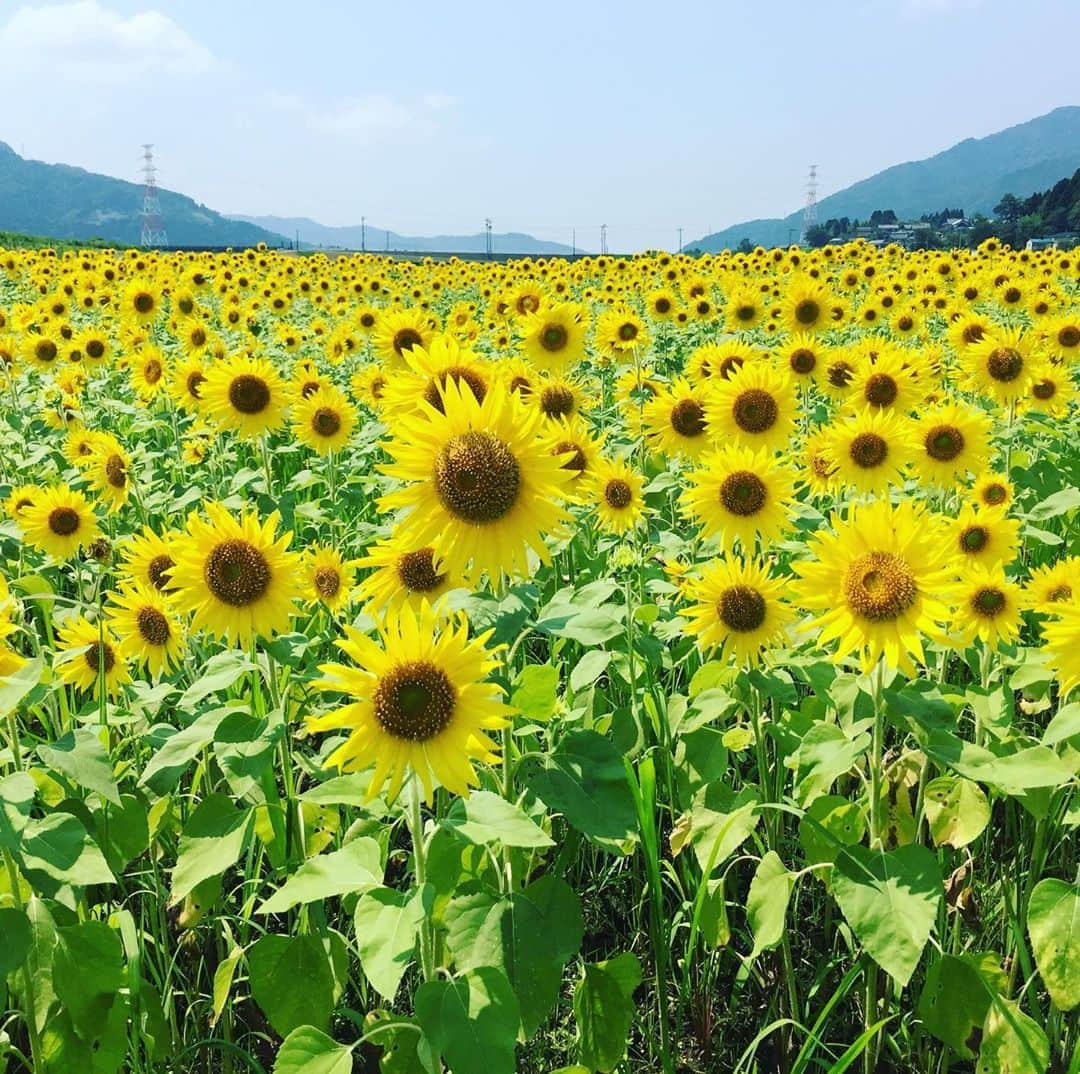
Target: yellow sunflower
87	652
992	490
149	630
805	306
553	338
745	309
983	535
403	576
754	407
20	498
621	332
244	394
987	607
420	703
1051	390
140	302
871	450
676	420
328	578
817	469
428	370
148	558
398	332
953	440
1000	365
186	383
149	372
615	489
1061	637
1052	585
234	576
325	420
60	522
884	383
108	472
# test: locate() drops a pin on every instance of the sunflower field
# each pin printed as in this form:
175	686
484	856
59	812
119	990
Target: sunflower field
653	664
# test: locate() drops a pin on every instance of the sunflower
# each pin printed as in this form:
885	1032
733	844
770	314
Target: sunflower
328	578
838	378
1052	585
992	490
803	356
88	652
968	330
1061	637
615	489
661	304
818	471
1000	365
871	450
41	350
148	628
621	332
234	576
140	302
1051	390
400	331
953	439
720	360
754	407
95	346
576	446
429	370
676	419
60	521
108	472
483	486
1062	335
739	608
876	581
403	576
884	382
740	494
983	535
420	702
186	383
369	386
805	306
20	498
244	394
553	337
325	420
907	324
744	310
148	559
149	372
987	607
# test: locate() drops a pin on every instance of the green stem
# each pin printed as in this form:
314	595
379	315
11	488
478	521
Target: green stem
28	977
415	821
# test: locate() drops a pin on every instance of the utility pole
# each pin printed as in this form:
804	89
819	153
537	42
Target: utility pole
573	242
603	238
297	246
487	235
363	234
680	240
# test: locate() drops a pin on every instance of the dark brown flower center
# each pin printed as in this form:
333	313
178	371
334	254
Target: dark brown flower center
417	571
741	609
802	361
743	493
477	478
45	350
628	332
755	411
521	386
974	539
944	443
868	450
405	339
995	494
1060	593
153	625
688	418
554	338
662	305
1069	336
414	701
807	312
325	421
459	374
879	586
557	400
989	602
100	657
618	494
840	374
327	581
95	348
1044	390
1004	364
158	572
237	573
745	313
578	462
144	302
249	394
63	521
116	472
881	390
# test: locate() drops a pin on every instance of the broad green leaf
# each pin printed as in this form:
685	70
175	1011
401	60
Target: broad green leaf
59	846
1012	1043
387	925
212	841
1036	766
80	756
291	981
1054	927
218	673
719	823
843	820
15	930
701	757
472	1020
100	1051
529	935
306	1050
587	626
890	899
584	779
955	1000
713	923
487	818
14	687
356	867
16	799
39	960
244	746
1064	725
124	833
767	902
223	979
350	789
1057	503
589	668
956	810
535	692
824	755
88	970
163	770
604	1011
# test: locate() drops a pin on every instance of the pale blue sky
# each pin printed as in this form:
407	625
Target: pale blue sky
427	117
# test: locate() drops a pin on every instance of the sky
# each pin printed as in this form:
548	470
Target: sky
546	117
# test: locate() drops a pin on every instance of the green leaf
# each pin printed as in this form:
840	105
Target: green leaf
1036	766
356	867
223	979
535	694
218	673
164	769
14	687
212	841
890	899
16	799
529	935
1058	503
701	757
589	668
291	981
80	756
124	833
713	922
720	821
1064	725
39	961
88	970
1012	1043
1054	927
59	846
306	1050
387	925
824	755
15	929
472	1021
767	902
244	746
584	779
604	1011
485	818
956	810
955	1000
588	626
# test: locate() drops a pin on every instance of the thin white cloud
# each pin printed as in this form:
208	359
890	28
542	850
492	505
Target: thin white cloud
368	118
86	42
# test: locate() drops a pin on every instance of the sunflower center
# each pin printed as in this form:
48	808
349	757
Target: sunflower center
63	521
100	656
868	450
745	313
309	389
95	348
944	443
1012	295
1045	389
1069	336
367	320
1060	593
995	494
557	401
405	339
807	311
477	477
988	602
153	625
803	361
662	305
249	394
974	539
377	385
417	571
688	418
158	572
521	386
618	494
554	338
45	350
905	324
881	390
414	701
628	332
237	573
840	374
755	411
457	374
327	582
879	586
194	379
578	462
152	371
116	472
325	421
743	493
144	302
1004	364
741	608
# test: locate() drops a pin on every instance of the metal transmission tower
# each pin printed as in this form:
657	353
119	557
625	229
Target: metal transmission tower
603	238
487	235
810	212
153	226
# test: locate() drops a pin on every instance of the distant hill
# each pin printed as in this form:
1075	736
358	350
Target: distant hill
69	203
974	175
315	234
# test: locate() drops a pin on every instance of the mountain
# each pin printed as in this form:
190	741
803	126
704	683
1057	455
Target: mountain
973	175
69	203
315	234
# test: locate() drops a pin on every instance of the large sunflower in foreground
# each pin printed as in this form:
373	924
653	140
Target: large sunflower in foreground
755	406
877	581
420	703
59	522
244	394
1062	640
1001	364
482	485
234	576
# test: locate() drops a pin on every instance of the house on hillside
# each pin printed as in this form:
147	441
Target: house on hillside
1063	239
